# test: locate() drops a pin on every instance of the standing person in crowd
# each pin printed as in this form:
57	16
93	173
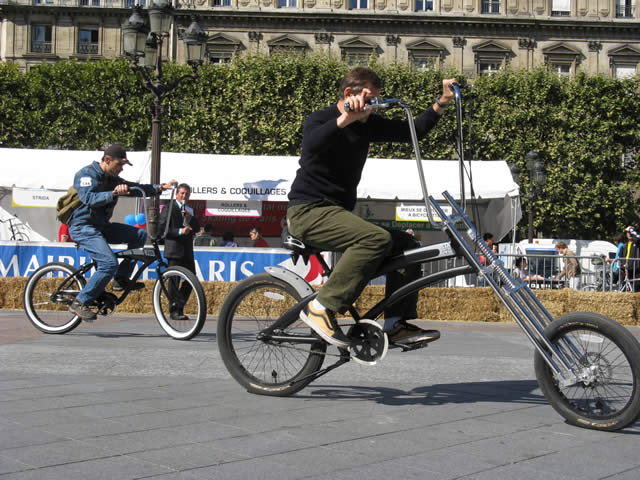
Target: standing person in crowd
256	235
632	257
178	246
489	239
335	144
204	238
571	267
619	241
63	233
227	240
99	187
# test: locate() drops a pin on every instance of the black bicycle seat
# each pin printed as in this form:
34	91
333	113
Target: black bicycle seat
298	247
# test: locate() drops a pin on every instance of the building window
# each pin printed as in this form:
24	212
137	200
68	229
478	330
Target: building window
88	41
220	58
220	3
358	4
41	36
424	62
562	69
424	5
133	3
560	8
624	71
625	8
627	161
490	6
489	68
287	3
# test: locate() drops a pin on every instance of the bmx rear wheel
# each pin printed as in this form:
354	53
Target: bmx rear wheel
47	296
179	303
266	366
606	360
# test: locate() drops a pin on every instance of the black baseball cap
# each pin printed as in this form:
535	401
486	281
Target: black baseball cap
116	150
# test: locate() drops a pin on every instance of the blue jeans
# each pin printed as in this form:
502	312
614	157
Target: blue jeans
96	243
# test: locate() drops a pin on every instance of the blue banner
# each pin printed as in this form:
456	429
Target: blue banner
21	259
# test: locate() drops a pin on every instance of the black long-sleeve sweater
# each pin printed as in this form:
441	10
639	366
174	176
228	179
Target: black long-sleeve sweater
333	158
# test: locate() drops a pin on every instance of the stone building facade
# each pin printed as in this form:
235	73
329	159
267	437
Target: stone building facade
471	36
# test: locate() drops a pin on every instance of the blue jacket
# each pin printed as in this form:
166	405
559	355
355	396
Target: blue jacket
95	189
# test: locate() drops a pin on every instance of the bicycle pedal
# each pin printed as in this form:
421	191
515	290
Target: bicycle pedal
408	347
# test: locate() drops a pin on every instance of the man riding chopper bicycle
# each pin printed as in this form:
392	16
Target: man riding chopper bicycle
335	145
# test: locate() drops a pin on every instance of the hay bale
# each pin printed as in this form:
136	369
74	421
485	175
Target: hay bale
442	304
369	297
458	304
12	292
554	301
619	306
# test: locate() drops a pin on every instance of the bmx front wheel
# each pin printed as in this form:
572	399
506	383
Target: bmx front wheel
47	296
605	358
263	366
179	303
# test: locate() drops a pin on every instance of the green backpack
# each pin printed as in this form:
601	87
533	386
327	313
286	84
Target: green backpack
67	204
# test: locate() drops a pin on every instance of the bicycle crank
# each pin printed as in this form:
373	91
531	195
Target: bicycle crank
369	343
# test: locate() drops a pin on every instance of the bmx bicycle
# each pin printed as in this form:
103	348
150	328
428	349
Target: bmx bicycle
587	365
53	287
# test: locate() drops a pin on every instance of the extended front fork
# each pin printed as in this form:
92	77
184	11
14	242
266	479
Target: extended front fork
515	294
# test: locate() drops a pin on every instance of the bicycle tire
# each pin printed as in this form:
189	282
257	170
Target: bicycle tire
47	314
260	367
194	306
611	400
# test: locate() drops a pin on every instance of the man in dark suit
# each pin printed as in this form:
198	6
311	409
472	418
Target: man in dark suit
178	245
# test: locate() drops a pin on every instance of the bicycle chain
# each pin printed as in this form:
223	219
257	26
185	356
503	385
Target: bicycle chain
280	345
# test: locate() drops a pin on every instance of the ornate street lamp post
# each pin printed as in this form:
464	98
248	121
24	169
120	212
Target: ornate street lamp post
143	47
537	179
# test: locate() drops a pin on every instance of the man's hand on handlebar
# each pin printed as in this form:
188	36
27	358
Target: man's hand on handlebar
122	189
443	100
169	185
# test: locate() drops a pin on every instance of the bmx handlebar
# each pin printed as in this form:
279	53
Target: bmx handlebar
144	206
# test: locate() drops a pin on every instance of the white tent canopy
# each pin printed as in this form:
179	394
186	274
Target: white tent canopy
245	177
269	178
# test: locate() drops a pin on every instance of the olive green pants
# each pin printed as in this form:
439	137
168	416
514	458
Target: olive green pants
364	245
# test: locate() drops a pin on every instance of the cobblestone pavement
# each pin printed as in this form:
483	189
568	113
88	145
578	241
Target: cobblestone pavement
118	399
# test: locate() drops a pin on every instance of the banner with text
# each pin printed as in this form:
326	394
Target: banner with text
21	259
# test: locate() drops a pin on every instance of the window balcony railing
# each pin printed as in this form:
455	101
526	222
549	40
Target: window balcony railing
88	49
41	47
490	7
625	11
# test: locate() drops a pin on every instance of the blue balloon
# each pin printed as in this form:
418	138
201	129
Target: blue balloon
141	219
130	219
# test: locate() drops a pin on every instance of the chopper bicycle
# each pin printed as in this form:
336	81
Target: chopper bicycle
587	365
51	289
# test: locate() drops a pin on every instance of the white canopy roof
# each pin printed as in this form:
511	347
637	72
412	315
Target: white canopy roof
245	177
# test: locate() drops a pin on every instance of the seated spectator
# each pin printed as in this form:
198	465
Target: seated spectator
227	240
521	271
63	234
204	238
256	235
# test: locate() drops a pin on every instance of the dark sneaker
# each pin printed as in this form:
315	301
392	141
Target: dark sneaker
404	333
119	284
83	311
178	316
324	324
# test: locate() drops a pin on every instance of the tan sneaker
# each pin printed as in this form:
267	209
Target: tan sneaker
324	324
404	333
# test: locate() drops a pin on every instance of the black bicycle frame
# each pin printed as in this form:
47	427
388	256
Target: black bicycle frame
517	297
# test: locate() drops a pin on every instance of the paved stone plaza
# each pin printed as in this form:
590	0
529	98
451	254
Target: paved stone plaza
118	399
